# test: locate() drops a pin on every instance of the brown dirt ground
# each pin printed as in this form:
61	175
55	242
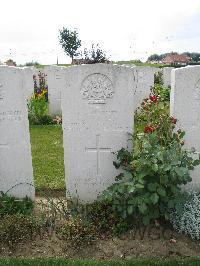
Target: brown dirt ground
154	242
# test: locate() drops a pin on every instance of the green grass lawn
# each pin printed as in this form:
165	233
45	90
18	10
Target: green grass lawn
61	262
48	156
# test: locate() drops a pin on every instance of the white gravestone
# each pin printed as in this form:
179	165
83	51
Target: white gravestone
16	173
185	106
97	107
144	79
55	84
167	76
28	84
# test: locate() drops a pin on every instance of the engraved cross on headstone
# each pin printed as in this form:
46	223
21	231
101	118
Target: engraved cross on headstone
98	150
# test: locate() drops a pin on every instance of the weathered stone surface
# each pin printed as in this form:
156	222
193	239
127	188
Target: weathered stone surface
16	173
185	106
167	76
97	108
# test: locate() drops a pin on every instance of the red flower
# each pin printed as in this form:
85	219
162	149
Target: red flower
174	120
149	129
153	98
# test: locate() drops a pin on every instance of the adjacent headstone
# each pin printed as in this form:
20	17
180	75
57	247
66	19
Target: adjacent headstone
55	84
97	109
167	76
144	79
28	85
16	175
185	106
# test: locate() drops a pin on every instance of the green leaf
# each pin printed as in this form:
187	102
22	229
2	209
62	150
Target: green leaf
142	207
131	201
174	189
146	220
152	187
139	186
120	188
155	214
130	209
181	171
167	168
161	191
144	172
164	179
154	167
127	176
154	198
170	204
182	134
131	189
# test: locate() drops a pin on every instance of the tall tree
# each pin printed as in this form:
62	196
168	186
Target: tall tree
70	42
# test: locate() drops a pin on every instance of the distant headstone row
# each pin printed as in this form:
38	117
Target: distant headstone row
98	102
144	79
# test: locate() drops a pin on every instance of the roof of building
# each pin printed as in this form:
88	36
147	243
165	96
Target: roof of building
176	58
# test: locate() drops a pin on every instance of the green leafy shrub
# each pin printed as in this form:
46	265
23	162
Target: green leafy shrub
38	112
158	78
11	205
163	92
16	228
153	111
159	88
149	186
187	220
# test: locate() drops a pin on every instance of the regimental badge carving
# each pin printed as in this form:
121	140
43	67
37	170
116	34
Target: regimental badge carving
97	88
197	90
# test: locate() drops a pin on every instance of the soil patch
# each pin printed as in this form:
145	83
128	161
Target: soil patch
152	242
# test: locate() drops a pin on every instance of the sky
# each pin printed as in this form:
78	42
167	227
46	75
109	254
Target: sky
125	29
